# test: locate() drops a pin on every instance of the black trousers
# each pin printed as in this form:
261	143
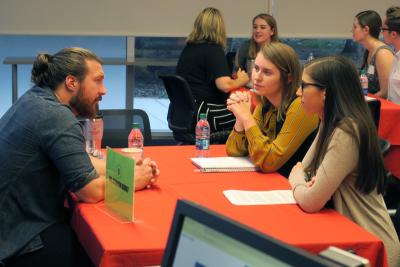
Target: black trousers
60	248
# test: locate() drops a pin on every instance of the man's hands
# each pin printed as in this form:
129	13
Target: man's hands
146	172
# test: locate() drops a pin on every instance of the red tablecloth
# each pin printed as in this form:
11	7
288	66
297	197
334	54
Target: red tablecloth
113	243
389	129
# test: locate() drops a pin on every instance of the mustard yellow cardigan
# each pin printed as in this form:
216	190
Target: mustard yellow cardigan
267	150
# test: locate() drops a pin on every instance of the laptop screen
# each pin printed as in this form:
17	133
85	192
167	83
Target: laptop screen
201	238
202	246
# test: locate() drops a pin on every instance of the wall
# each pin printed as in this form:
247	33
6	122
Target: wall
121	17
322	18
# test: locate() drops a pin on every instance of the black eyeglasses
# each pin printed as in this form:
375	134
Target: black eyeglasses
304	85
385	29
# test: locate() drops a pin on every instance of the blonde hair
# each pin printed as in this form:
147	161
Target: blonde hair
287	61
208	27
270	20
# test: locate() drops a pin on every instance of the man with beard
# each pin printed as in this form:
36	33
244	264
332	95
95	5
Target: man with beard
43	157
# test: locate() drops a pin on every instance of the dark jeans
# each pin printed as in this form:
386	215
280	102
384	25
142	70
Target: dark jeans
61	248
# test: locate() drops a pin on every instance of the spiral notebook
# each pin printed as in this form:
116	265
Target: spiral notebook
224	164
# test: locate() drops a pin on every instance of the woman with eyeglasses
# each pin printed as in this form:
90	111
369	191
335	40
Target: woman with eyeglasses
344	163
378	57
278	133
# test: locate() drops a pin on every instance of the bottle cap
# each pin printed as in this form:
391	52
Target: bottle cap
203	116
135	125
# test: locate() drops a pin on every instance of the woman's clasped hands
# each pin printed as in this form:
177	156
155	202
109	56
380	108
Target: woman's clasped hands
239	102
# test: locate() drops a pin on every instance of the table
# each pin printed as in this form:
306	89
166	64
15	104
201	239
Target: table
389	129
112	243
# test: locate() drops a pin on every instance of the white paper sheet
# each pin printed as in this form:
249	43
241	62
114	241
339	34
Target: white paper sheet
224	164
274	197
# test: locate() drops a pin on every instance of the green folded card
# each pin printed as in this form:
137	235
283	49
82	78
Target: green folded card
120	185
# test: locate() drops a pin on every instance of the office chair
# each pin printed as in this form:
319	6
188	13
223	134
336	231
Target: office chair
375	108
118	125
392	184
182	112
230	58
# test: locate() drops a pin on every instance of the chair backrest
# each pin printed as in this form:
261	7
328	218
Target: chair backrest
182	107
230	58
375	108
118	124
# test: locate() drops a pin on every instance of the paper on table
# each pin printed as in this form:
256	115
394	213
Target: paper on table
224	164
240	197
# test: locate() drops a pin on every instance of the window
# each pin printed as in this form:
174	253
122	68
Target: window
153	55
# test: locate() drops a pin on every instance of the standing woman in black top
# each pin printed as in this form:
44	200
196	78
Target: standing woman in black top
203	65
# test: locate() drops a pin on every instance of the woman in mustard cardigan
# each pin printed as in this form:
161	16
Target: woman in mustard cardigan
278	133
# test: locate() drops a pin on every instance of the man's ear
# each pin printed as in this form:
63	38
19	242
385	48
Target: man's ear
71	83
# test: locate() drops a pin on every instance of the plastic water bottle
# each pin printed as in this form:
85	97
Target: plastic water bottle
87	133
364	83
97	135
202	137
93	133
135	142
310	57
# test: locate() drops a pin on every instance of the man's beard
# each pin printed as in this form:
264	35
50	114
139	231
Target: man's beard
83	107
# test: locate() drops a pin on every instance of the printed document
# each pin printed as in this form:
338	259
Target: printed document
274	197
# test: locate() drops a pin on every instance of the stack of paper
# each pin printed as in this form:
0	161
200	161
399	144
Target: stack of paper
224	164
274	197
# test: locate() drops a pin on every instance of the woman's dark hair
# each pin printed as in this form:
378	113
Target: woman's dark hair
371	19
393	18
50	71
346	108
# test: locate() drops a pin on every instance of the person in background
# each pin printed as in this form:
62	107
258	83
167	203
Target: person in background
43	157
391	35
203	65
264	31
378	57
344	163
278	133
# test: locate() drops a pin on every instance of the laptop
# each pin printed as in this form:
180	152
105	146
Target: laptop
200	237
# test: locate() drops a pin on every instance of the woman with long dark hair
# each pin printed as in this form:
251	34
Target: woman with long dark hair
344	164
378	57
